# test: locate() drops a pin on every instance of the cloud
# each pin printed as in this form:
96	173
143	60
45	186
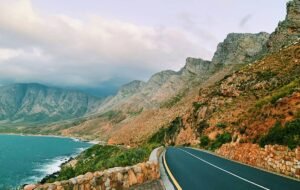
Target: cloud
65	51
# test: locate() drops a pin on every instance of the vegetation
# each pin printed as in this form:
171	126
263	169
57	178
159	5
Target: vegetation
221	139
265	75
221	125
166	133
114	116
201	126
101	157
297	114
172	101
289	135
197	105
204	141
280	93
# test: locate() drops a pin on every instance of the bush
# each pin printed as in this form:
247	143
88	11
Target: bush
166	133
221	125
221	139
197	105
265	75
288	135
204	141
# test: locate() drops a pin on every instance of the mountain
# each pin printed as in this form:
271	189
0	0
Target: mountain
240	48
204	98
141	108
167	87
257	104
36	103
288	31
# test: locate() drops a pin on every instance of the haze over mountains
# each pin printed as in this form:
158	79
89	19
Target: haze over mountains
31	103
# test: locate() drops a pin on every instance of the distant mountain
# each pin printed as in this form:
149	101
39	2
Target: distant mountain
27	103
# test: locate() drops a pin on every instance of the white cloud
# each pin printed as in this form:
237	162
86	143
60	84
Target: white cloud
60	50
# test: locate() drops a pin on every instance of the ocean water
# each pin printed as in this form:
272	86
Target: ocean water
27	159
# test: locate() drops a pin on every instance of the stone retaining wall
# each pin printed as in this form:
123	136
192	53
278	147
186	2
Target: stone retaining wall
114	178
110	179
273	157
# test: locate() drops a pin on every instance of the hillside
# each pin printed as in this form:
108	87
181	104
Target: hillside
144	107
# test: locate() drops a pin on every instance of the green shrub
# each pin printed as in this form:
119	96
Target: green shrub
288	135
101	157
265	75
204	141
197	105
221	125
280	93
164	134
221	139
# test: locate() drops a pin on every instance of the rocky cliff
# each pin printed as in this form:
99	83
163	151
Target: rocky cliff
159	88
35	103
288	31
240	48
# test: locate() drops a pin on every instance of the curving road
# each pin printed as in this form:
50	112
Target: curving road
194	169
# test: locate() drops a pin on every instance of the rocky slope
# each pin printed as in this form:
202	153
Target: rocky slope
35	103
166	86
142	108
245	104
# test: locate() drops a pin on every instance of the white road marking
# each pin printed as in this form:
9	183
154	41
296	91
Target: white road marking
224	170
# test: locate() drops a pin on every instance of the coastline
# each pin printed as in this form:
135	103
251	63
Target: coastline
56	163
58	136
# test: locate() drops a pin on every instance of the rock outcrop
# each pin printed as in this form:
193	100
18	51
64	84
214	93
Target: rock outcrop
240	48
288	31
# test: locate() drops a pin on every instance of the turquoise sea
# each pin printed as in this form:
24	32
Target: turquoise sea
27	159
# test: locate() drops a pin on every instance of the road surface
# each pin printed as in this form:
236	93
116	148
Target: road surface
193	169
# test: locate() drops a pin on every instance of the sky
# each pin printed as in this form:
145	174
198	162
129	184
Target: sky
98	45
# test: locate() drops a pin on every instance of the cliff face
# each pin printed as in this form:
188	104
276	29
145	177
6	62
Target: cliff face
288	31
159	88
38	103
240	48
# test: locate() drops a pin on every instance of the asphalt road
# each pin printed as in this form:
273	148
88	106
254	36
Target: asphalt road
194	169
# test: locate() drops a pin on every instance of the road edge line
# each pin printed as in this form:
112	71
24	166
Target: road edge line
174	181
224	170
245	164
